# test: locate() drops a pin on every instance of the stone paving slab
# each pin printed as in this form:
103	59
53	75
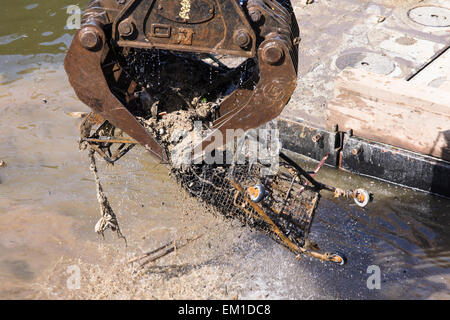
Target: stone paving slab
378	36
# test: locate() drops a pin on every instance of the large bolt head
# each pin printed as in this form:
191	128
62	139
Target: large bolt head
89	38
255	14
272	53
126	28
242	38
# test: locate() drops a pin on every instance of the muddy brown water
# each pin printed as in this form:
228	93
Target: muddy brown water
48	208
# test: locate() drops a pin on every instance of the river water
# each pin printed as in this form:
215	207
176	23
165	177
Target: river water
48	208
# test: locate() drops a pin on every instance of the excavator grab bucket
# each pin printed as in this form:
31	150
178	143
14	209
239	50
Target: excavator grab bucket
113	57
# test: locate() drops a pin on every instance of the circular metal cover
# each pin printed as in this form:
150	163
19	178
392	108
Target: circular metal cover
430	16
368	61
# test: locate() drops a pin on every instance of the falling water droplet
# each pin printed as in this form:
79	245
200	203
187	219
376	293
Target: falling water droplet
159	69
210	75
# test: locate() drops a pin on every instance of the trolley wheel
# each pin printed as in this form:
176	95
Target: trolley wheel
338	258
361	197
256	193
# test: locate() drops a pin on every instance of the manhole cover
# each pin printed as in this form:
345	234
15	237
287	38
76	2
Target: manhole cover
430	16
368	61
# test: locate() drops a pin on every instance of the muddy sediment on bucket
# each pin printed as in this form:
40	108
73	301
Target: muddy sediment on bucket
171	128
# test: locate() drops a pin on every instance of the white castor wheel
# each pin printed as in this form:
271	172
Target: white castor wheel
361	197
256	193
338	258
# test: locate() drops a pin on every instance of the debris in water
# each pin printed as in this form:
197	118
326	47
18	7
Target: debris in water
170	247
167	128
2	164
78	115
108	219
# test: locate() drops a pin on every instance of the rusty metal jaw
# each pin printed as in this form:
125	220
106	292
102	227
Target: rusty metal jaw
261	99
83	64
246	109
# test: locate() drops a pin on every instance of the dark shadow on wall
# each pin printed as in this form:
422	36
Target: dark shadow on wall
446	150
440	183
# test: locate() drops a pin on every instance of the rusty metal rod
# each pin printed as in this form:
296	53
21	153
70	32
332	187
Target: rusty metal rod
315	183
108	140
